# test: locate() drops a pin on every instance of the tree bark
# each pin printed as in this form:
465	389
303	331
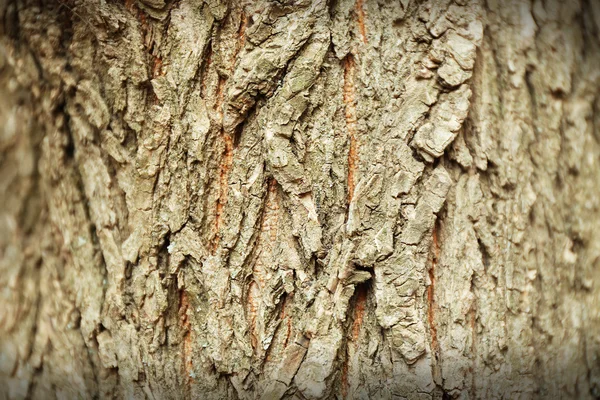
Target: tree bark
300	199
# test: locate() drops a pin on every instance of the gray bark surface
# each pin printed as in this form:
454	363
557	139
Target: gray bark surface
299	199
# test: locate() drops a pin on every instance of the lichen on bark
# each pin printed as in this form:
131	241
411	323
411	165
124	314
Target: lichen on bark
299	199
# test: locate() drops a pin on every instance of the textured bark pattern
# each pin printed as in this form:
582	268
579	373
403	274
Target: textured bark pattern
300	199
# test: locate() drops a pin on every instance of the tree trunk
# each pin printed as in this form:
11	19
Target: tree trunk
300	199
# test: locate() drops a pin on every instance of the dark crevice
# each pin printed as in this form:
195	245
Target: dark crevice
368	268
239	129
205	68
594	119
71	13
531	91
163	255
69	148
10	26
38	304
332	8
485	257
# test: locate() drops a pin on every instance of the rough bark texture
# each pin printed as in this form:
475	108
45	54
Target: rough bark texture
300	199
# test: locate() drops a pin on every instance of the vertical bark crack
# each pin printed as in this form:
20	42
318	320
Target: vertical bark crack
351	121
227	155
430	293
352	345
184	305
360	16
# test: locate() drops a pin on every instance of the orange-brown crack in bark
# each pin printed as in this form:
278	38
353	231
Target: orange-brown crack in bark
184	305
285	299
157	62
241	38
224	166
357	321
345	378
283	316
227	156
157	67
289	333
359	312
145	27
224	169
253	294
266	238
130	5
351	121
360	16
430	291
